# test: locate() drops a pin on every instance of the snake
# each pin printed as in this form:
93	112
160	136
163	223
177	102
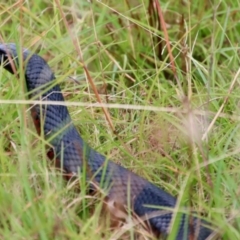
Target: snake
75	157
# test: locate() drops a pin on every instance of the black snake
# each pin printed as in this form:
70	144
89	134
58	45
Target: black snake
71	153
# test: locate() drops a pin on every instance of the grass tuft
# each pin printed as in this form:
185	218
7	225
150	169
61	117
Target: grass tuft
180	57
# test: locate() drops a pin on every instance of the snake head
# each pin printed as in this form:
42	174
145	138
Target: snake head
9	56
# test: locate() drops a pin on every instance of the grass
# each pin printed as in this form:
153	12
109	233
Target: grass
188	144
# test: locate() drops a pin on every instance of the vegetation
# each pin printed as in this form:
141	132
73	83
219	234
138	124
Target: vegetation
172	114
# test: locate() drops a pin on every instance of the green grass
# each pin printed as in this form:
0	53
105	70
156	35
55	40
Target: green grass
189	146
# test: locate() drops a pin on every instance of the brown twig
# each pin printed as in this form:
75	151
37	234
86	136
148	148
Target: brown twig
89	78
164	28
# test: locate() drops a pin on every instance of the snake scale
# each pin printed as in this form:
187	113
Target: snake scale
71	153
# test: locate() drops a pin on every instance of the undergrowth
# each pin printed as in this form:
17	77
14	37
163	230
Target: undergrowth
171	113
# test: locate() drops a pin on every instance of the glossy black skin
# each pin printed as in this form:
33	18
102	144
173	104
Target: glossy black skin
75	153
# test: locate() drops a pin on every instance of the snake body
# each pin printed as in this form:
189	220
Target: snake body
72	153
